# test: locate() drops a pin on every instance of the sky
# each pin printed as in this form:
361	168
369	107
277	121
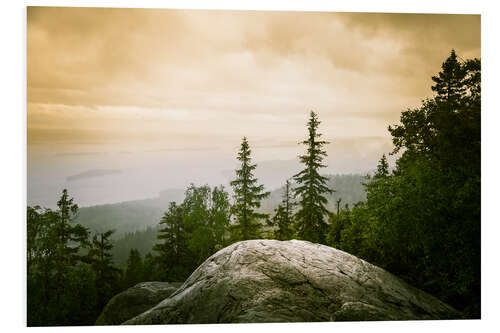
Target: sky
167	95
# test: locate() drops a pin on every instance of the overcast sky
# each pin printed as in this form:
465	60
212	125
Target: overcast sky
126	81
206	78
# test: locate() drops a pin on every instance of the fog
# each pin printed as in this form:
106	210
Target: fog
146	170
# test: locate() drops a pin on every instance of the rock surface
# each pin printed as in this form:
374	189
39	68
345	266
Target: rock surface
134	301
292	281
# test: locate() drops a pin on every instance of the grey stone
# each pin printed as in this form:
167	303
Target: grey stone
134	301
293	281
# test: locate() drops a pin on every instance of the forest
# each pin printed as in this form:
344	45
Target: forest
420	220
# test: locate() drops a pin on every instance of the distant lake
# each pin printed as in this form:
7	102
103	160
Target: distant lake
112	175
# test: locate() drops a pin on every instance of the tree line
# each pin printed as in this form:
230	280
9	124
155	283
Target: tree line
420	221
348	189
70	276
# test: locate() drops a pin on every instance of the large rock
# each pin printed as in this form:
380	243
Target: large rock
134	301
293	281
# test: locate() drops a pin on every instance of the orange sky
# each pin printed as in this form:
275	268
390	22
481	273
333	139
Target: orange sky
193	79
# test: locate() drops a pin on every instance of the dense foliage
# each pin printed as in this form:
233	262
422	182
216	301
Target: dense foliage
191	231
422	220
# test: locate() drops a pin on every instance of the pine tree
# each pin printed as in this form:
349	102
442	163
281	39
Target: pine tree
101	261
449	85
134	269
35	228
59	280
312	187
283	217
247	196
65	242
150	267
172	247
68	239
382	168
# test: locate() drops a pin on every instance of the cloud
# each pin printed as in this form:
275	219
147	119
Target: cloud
97	74
425	39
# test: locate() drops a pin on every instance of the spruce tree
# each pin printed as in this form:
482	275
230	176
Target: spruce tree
283	217
134	269
150	267
247	197
449	83
60	285
65	242
312	187
101	261
172	248
382	168
67	239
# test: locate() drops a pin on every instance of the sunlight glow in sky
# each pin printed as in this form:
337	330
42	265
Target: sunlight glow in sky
189	84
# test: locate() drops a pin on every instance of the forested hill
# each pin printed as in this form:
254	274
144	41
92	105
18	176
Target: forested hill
131	216
136	221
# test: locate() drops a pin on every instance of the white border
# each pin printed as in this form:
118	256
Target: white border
13	165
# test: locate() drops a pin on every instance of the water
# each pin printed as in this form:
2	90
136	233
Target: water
147	170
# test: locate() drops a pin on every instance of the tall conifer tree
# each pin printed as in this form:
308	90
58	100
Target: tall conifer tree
312	187
247	197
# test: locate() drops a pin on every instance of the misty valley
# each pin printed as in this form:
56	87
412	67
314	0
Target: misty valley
136	222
